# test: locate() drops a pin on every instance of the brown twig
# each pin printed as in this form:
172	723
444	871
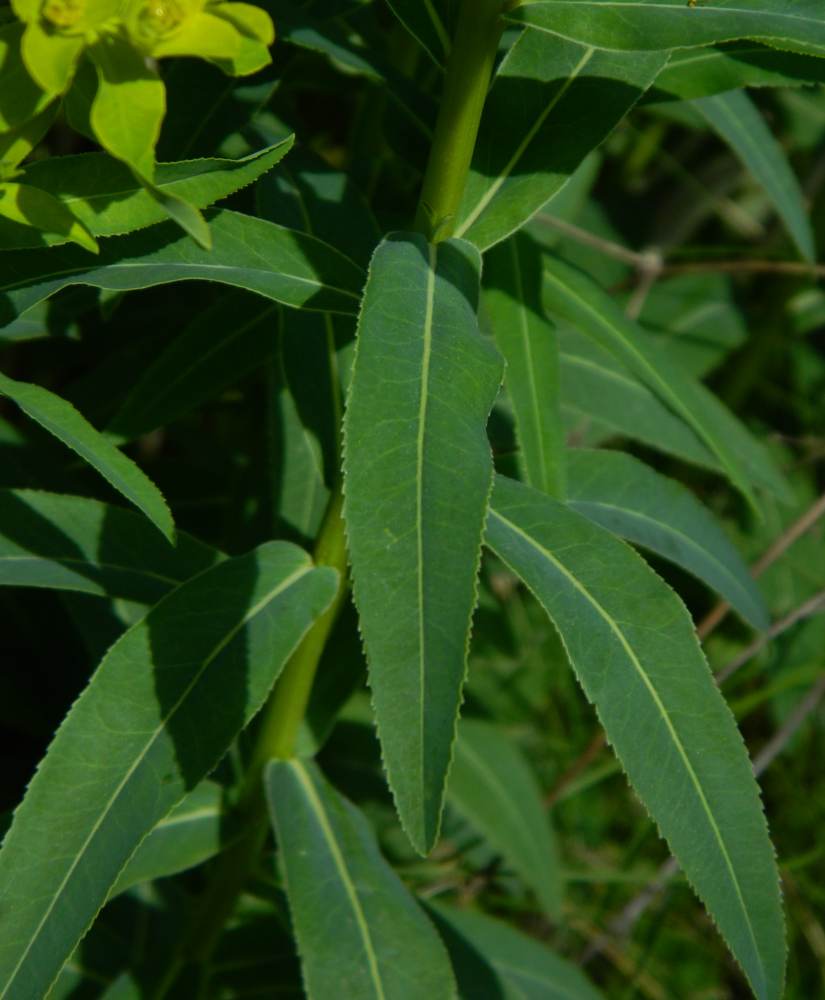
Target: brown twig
768	557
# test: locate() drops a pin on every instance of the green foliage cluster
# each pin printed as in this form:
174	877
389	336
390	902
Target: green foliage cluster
360	481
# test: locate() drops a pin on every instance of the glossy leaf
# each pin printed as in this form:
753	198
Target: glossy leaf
74	543
628	498
526	340
231	337
417	472
578	299
551	103
631	642
143	734
361	935
493	786
693	73
739	123
493	961
60	418
250	253
639	25
194	831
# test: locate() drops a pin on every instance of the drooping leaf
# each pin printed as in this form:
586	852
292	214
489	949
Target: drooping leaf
60	418
640	25
382	946
693	73
580	300
143	734
74	543
739	123
417	471
494	961
493	786
526	340
631	642
628	498
551	103
250	253
231	337
197	829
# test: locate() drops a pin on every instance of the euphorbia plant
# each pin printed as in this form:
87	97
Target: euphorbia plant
374	330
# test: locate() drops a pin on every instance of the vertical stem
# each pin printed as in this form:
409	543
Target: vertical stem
465	89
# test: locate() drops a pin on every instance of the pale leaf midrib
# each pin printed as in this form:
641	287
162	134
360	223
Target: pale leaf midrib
497	184
531	375
317	806
663	712
643	5
419	500
283	585
68	560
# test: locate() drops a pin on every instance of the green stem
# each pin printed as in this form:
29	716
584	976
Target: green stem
462	101
277	734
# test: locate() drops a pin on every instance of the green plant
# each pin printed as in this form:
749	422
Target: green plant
225	811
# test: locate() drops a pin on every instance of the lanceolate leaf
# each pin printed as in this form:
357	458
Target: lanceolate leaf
432	22
628	498
361	935
103	194
739	123
418	470
551	103
527	341
493	786
632	644
60	418
143	734
278	263
493	961
194	831
729	66
74	543
580	300
645	25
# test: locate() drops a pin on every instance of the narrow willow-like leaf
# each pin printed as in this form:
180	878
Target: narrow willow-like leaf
738	122
250	253
701	72
581	301
432	22
646	25
526	340
60	418
551	103
631	642
492	785
628	498
418	470
74	543
361	935
494	961
143	734
229	338
194	831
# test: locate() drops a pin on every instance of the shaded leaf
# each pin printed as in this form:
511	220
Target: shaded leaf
580	300
631	642
551	103
74	543
60	418
628	498
143	734
361	935
493	961
739	123
417	470
493	786
432	22
33	209
249	253
526	340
